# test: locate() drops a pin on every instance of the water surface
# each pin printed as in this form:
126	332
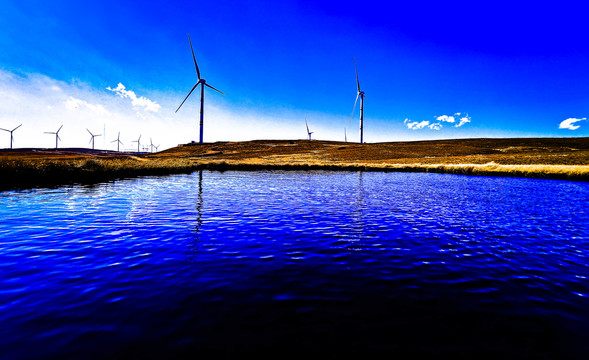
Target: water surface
296	263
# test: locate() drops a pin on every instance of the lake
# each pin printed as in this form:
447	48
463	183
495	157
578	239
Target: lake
292	263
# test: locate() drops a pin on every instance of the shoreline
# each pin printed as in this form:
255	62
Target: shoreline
563	159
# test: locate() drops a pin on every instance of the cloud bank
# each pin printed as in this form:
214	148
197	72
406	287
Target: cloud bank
570	123
439	120
138	102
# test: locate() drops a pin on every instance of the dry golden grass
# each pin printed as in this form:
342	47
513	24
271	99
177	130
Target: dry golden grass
564	158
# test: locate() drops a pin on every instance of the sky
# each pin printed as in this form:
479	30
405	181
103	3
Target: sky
429	70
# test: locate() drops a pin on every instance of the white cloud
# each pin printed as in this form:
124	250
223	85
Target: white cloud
569	123
77	104
415	125
463	120
137	102
446	118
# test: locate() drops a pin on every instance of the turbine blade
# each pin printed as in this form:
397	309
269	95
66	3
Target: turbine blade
89	132
59	129
194	57
194	87
214	88
115	140
17	127
357	81
306	124
5	130
355	102
48	132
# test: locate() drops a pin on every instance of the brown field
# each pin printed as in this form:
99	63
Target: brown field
560	158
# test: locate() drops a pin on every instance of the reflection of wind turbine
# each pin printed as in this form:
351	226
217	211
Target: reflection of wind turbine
92	139
138	142
203	83
57	138
11	136
308	132
361	96
118	141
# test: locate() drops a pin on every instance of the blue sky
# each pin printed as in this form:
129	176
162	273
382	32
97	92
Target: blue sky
512	69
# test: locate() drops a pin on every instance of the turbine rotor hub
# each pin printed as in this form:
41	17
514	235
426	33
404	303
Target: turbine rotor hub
203	81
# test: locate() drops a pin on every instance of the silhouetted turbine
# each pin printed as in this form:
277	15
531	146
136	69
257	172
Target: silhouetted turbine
138	142
361	96
57	138
308	132
118	141
203	83
92	139
11	136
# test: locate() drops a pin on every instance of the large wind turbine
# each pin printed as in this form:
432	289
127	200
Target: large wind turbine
11	136
203	83
308	132
361	96
57	138
118	141
92	139
138	142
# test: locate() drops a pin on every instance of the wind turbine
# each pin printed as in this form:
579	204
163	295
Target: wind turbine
138	142
156	147
345	135
57	138
203	83
11	136
361	96
118	141
92	139
151	144
308	132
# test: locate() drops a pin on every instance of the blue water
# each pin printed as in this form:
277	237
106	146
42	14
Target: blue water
278	264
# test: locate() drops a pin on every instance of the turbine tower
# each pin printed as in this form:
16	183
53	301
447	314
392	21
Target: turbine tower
92	139
11	136
203	83
308	132
138	142
361	96
118	141
57	138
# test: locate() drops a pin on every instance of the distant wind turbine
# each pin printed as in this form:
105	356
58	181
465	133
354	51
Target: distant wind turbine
11	136
308	132
361	96
138	142
156	147
57	138
203	83
345	135
118	141
92	139
151	144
